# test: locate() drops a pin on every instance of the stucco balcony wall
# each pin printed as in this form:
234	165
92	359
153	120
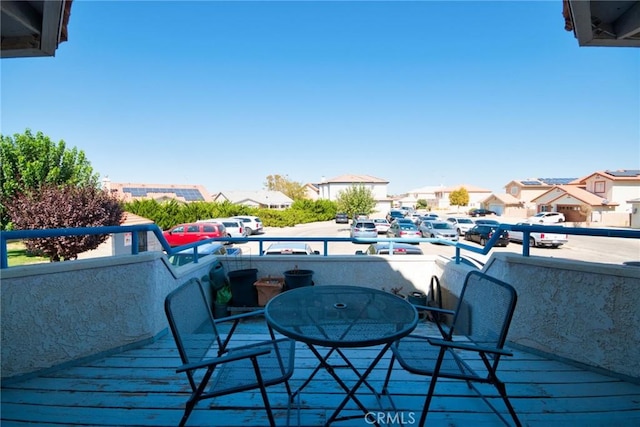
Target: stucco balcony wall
55	313
580	311
60	313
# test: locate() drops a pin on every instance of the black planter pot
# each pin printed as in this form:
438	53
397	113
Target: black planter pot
243	293
417	298
298	278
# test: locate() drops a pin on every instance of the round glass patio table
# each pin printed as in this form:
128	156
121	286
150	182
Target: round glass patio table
341	316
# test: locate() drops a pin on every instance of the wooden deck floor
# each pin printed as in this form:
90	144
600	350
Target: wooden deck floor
140	388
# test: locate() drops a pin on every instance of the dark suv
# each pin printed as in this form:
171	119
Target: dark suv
193	232
342	218
483	232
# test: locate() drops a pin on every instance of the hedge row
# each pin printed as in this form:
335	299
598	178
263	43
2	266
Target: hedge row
168	214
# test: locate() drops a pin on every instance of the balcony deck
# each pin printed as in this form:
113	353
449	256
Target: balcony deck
139	387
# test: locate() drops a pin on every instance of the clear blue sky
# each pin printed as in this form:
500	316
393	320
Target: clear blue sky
417	93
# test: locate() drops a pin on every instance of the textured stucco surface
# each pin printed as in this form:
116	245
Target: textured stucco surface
56	313
53	314
585	312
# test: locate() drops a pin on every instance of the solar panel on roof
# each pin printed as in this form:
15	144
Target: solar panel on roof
557	181
624	173
188	194
531	182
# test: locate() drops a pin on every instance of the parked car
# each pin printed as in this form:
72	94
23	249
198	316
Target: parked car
290	248
363	229
547	218
360	216
234	227
481	212
214	248
481	233
406	230
416	218
461	224
438	230
553	240
395	214
252	224
183	234
382	225
403	221
487	222
398	249
342	218
432	216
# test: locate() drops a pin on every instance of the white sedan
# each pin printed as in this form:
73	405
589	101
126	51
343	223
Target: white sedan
382	225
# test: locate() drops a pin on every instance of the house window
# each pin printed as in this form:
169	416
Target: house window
599	187
514	191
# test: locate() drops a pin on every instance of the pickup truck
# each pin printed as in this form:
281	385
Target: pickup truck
539	239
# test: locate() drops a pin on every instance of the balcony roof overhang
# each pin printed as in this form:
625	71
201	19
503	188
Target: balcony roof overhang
604	23
33	28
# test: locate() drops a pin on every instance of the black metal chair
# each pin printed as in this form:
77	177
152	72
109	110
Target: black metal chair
203	351
471	348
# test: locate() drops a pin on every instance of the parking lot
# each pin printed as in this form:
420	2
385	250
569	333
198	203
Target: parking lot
608	250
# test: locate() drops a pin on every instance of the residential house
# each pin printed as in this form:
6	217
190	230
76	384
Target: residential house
517	200
506	205
411	197
476	196
330	189
528	189
258	199
311	191
128	192
635	212
602	197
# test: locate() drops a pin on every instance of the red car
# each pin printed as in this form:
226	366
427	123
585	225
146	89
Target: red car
194	232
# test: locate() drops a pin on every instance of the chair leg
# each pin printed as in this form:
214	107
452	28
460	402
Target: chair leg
263	391
388	376
502	389
432	387
187	411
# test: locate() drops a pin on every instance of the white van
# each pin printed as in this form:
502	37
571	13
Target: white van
235	227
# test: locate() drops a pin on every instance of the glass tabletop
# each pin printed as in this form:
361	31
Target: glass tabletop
341	316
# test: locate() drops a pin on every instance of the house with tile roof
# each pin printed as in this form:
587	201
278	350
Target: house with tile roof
330	189
311	191
129	191
528	189
602	197
258	199
476	195
411	197
506	205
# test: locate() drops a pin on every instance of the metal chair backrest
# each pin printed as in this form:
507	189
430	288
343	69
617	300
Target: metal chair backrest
484	310
191	323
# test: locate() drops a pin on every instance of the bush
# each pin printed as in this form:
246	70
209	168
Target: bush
64	207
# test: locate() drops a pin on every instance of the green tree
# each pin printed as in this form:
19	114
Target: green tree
355	199
28	162
291	189
421	204
65	206
459	197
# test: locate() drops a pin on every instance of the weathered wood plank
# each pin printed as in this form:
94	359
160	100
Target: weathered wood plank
140	387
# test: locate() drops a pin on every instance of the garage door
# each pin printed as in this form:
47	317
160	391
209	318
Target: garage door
572	213
499	209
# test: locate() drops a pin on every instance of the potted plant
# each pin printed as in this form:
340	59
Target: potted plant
297	278
221	304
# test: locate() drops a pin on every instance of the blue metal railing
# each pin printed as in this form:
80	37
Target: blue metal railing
6	236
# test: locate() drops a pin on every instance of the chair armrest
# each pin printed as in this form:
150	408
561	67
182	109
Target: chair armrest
468	346
224	359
